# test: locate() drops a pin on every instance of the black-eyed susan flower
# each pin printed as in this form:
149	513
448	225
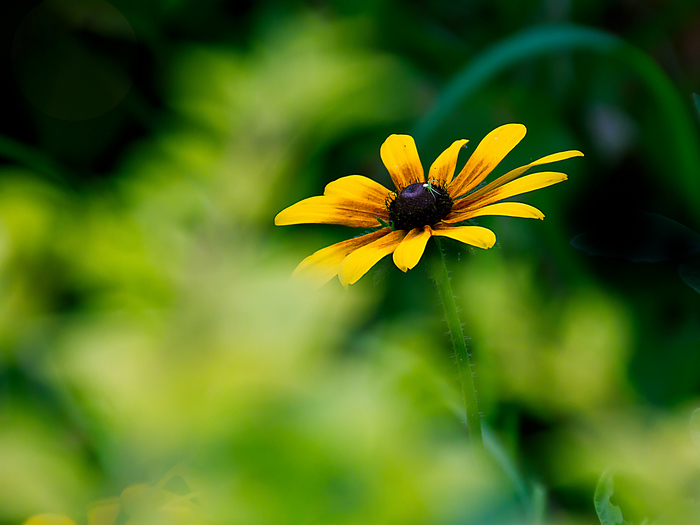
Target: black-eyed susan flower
419	208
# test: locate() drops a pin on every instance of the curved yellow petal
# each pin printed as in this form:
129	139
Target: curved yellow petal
517	187
490	151
333	210
514	174
443	168
409	252
400	156
507	209
475	235
359	188
358	263
323	265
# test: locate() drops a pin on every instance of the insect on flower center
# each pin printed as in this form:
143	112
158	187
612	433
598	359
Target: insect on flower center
418	205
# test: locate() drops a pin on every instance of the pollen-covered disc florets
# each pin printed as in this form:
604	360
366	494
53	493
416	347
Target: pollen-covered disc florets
418	205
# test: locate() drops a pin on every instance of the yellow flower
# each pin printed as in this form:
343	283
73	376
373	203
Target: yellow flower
418	209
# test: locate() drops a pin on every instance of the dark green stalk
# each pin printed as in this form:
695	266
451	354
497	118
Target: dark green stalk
439	274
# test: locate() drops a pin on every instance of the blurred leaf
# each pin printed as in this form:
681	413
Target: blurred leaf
507	463
539	503
647	237
49	519
538	41
608	514
642	237
655	463
34	159
561	356
695	426
504	54
690	273
41	469
250	134
696	98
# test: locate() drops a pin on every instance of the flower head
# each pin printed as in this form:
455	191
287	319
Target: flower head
419	208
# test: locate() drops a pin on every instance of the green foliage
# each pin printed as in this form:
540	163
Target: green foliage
690	273
647	237
608	514
157	363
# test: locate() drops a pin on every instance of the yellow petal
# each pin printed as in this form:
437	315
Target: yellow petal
443	168
359	188
517	187
490	151
514	174
323	265
411	249
474	235
333	210
358	263
507	209
400	157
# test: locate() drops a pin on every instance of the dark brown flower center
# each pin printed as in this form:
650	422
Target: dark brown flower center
418	205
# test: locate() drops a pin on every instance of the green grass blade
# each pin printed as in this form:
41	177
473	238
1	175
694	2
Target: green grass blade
541	41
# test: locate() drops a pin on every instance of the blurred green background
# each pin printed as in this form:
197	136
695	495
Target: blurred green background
149	332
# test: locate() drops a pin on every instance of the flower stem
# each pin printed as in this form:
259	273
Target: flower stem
439	274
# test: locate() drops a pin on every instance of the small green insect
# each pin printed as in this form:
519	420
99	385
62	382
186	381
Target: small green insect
385	224
429	186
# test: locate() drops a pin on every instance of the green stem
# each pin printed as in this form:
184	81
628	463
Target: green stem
439	274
